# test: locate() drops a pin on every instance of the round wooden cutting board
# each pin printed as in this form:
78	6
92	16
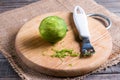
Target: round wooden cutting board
36	52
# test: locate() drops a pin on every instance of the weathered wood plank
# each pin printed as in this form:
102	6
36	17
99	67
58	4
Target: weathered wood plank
107	1
18	1
111	70
103	77
6	71
10	79
1	56
6	5
112	5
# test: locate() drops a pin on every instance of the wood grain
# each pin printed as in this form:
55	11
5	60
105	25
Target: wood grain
31	47
6	70
112	5
104	77
6	5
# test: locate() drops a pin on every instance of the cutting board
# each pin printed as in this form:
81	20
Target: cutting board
36	53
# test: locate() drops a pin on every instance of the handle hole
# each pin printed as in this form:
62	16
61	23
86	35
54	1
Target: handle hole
78	11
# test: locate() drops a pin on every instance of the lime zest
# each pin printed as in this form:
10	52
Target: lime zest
70	65
43	54
64	53
74	54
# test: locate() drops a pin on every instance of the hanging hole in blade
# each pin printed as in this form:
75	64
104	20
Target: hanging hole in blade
78	10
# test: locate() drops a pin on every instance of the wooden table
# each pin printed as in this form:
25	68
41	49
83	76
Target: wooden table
6	71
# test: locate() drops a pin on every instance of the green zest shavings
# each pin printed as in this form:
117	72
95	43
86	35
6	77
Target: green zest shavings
70	65
64	52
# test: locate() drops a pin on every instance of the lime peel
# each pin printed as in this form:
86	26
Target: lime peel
53	29
64	53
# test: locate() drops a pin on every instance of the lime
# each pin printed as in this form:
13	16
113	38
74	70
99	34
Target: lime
53	28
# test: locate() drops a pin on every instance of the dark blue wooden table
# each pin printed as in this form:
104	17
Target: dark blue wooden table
6	71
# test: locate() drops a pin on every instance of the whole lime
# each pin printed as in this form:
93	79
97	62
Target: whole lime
53	28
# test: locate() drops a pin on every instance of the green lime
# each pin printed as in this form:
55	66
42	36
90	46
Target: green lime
53	28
